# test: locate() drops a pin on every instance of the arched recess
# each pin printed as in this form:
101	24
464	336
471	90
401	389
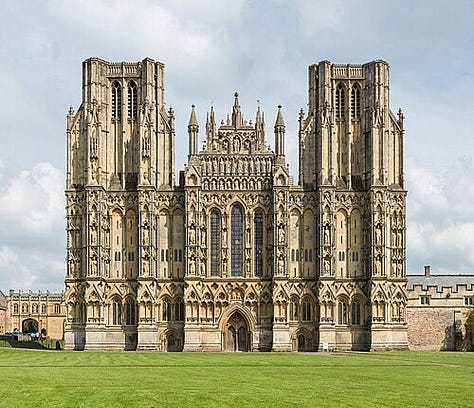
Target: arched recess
294	243
355	242
341	244
171	340
308	250
29	326
177	237
163	242
131	243
302	340
237	325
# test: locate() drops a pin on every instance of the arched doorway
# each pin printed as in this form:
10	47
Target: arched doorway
171	342
236	335
29	326
301	343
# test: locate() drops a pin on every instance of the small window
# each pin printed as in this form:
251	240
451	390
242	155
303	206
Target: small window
292	255
117	256
469	301
43	308
15	308
57	308
131	256
425	300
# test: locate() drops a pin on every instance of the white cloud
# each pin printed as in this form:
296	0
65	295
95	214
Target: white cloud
32	201
440	227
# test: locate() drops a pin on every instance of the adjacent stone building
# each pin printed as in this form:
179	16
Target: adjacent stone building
438	306
237	255
31	312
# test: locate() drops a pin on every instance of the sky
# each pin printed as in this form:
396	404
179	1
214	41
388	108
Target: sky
211	49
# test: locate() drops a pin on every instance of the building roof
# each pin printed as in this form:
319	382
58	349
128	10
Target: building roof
441	281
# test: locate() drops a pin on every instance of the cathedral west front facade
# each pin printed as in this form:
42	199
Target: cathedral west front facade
236	255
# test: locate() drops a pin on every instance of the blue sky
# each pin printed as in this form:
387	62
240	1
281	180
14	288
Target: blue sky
212	49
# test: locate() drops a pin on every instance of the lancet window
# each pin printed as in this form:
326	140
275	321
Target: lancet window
340	101
116	100
215	242
236	240
258	243
132	100
355	101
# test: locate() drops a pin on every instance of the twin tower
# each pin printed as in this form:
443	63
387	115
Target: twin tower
236	256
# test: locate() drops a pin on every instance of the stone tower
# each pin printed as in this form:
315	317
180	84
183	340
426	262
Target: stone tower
120	154
351	154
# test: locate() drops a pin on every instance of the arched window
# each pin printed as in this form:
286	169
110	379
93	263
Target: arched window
294	309
258	242
43	308
215	242
132	100
237	238
166	310
15	308
355	312
342	311
116	100
306	310
355	101
340	101
130	312
179	310
116	312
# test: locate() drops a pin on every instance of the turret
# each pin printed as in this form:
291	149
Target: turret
236	113
193	130
279	134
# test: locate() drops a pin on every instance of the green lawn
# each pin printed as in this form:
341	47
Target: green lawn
33	378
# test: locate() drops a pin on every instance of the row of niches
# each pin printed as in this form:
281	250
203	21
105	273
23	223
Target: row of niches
236	146
259	183
228	166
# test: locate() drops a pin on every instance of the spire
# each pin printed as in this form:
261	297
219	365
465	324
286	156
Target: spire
279	121
193	119
210	127
279	133
193	130
236	113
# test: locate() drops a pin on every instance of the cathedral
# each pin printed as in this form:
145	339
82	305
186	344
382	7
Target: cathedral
236	255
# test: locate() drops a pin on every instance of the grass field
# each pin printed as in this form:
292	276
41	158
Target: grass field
33	378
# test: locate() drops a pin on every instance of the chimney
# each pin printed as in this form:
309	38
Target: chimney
427	270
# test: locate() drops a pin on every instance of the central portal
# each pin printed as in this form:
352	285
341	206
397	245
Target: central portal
237	333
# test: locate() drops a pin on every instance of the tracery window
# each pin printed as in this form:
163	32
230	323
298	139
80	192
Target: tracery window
342	311
355	101
215	242
355	312
179	310
166	311
340	102
130	312
132	100
294	309
116	100
306	310
258	242
116	312
236	240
